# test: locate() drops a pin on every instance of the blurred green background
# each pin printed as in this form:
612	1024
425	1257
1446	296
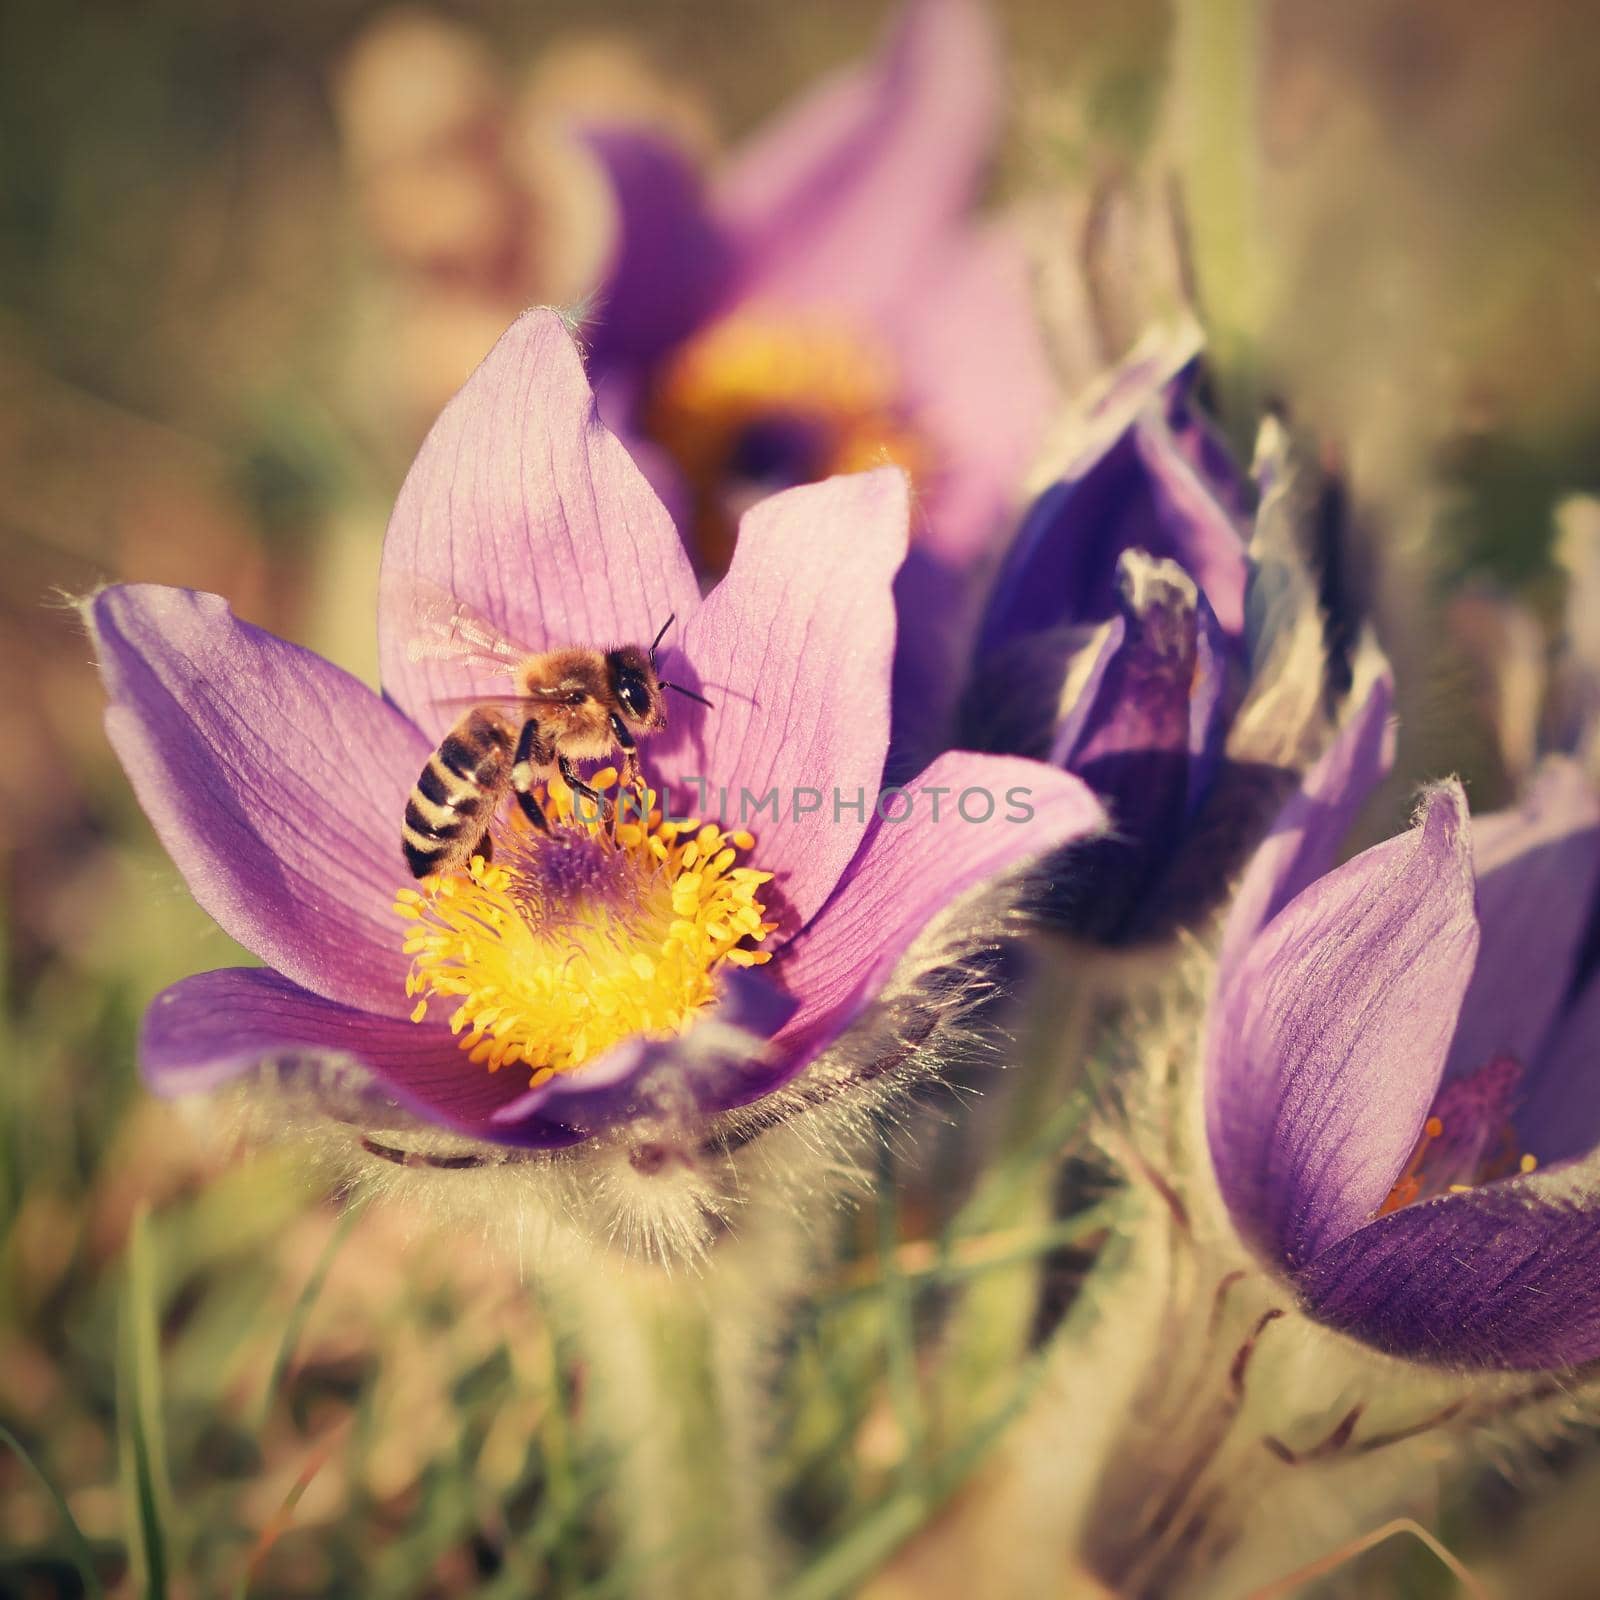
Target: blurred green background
246	251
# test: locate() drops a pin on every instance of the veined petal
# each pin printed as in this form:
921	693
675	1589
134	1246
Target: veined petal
795	646
1141	696
1042	581
217	1026
840	199
1200	531
221	1025
523	505
1504	1275
1327	1041
276	782
1304	841
1538	868
1144	734
669	260
1060	571
978	385
920	854
1134	490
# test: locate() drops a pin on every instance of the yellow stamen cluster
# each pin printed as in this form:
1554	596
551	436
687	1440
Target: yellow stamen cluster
568	943
754	366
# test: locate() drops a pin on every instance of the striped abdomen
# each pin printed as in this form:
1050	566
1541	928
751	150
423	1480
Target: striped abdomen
449	812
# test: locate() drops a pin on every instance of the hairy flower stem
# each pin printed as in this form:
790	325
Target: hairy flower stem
988	1333
673	1373
1195	1435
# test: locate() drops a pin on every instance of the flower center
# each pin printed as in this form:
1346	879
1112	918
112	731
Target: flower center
569	942
762	401
1468	1138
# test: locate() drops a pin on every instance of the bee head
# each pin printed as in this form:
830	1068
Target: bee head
637	688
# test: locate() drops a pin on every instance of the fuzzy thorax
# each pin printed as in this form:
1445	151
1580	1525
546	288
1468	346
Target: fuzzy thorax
569	943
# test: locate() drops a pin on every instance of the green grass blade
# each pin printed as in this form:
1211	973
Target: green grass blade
143	1441
82	1555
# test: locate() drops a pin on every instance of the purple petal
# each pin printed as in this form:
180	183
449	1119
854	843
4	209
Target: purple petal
909	870
1327	1041
1129	736
1538	868
220	1025
1144	734
1560	1116
1212	700
1083	685
523	505
1506	1275
978	385
725	1059
275	781
1203	446
1139	494
1204	538
1046	578
669	261
795	646
1157	371
1305	839
936	607
1139	702
852	189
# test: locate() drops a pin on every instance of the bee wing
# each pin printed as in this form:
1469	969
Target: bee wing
555	695
445	628
520	704
514	704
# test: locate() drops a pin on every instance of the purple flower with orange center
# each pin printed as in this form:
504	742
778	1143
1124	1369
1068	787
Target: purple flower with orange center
829	302
1401	1100
644	972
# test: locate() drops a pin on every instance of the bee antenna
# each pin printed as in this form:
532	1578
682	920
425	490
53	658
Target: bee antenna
688	694
660	636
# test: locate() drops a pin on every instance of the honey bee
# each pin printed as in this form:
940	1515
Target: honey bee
574	703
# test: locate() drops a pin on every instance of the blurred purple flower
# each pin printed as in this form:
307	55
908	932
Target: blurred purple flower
1153	634
830	300
277	782
1401	1095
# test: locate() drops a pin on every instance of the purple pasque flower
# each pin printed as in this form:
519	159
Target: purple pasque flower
829	302
1152	634
592	979
1401	1092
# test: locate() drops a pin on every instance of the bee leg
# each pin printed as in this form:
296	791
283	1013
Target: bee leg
533	811
578	786
530	757
484	847
631	778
